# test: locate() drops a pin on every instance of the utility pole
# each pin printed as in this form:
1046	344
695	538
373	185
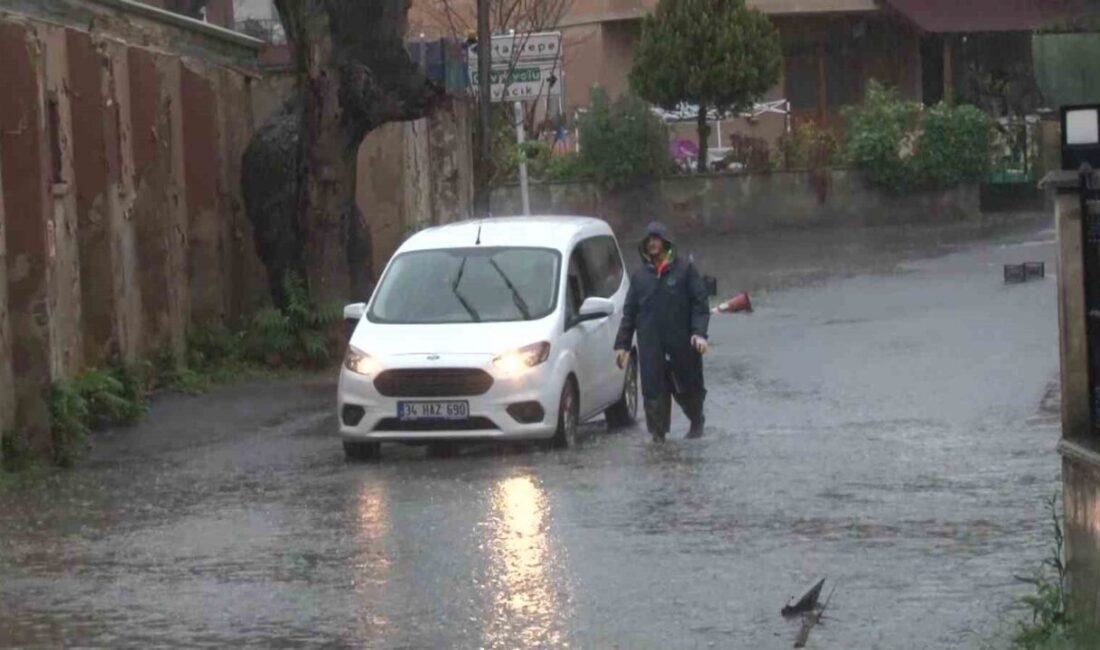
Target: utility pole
485	106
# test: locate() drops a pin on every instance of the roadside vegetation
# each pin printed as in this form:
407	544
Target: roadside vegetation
903	146
1048	623
301	336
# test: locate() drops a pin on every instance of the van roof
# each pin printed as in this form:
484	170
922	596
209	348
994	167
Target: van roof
558	232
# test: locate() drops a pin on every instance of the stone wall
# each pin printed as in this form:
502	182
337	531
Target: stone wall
121	221
747	202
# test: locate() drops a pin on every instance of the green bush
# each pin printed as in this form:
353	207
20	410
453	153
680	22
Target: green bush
954	146
622	142
566	167
166	370
902	146
301	335
108	399
807	147
68	423
96	398
213	345
1048	625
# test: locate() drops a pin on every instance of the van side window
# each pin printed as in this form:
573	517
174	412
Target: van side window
605	265
578	283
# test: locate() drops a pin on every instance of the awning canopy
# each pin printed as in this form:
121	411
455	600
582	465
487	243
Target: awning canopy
967	16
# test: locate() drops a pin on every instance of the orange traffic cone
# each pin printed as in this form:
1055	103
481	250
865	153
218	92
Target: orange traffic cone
738	303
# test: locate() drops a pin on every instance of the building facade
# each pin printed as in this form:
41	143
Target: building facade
929	50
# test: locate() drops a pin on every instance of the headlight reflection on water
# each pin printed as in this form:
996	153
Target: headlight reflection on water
372	563
528	605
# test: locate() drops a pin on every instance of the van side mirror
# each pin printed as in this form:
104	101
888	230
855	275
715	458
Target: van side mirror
354	312
711	283
595	309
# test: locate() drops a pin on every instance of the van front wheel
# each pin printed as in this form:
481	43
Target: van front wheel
568	417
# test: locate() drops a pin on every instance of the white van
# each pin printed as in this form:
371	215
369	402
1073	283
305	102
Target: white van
494	329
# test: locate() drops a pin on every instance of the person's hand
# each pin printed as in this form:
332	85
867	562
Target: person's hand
620	358
700	344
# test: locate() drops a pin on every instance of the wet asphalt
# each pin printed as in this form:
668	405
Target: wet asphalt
887	418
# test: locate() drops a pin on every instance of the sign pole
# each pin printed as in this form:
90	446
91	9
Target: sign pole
521	138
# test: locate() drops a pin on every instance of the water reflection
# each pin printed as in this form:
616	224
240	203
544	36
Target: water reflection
372	560
528	608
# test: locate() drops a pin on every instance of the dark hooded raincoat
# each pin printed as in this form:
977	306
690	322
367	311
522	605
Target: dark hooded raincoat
666	308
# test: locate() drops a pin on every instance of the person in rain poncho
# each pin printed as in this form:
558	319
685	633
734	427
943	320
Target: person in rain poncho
668	309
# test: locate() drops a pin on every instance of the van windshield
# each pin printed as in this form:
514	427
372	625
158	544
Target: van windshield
468	285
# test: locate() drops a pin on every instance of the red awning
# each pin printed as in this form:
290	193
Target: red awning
955	16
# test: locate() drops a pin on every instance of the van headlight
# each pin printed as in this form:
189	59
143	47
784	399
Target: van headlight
360	362
517	362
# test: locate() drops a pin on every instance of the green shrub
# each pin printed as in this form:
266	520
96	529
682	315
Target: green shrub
808	147
622	142
954	146
1048	625
902	146
301	335
108	401
68	423
213	345
879	137
566	167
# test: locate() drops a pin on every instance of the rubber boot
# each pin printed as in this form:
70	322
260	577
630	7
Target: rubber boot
692	405
658	415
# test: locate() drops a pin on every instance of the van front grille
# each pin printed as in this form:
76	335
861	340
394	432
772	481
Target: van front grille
433	382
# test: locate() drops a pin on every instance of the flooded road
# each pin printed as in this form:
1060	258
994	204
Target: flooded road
885	418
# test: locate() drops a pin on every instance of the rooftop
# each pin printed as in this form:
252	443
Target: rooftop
542	231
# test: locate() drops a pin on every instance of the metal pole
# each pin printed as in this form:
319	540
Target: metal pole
521	138
485	105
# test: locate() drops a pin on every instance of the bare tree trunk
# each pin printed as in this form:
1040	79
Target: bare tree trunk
299	174
704	138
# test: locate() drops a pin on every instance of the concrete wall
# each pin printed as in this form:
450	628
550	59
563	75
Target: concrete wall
120	209
747	202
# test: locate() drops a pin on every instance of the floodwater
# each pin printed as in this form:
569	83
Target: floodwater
885	418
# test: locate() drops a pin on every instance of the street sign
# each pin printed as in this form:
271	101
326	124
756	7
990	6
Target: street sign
524	66
526	47
523	82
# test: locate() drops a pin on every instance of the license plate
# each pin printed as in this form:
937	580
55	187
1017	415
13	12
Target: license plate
409	411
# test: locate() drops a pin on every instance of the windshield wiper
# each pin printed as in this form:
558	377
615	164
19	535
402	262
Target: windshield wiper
521	304
462	300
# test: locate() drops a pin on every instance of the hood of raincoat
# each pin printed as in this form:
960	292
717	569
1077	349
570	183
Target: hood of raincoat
655	229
